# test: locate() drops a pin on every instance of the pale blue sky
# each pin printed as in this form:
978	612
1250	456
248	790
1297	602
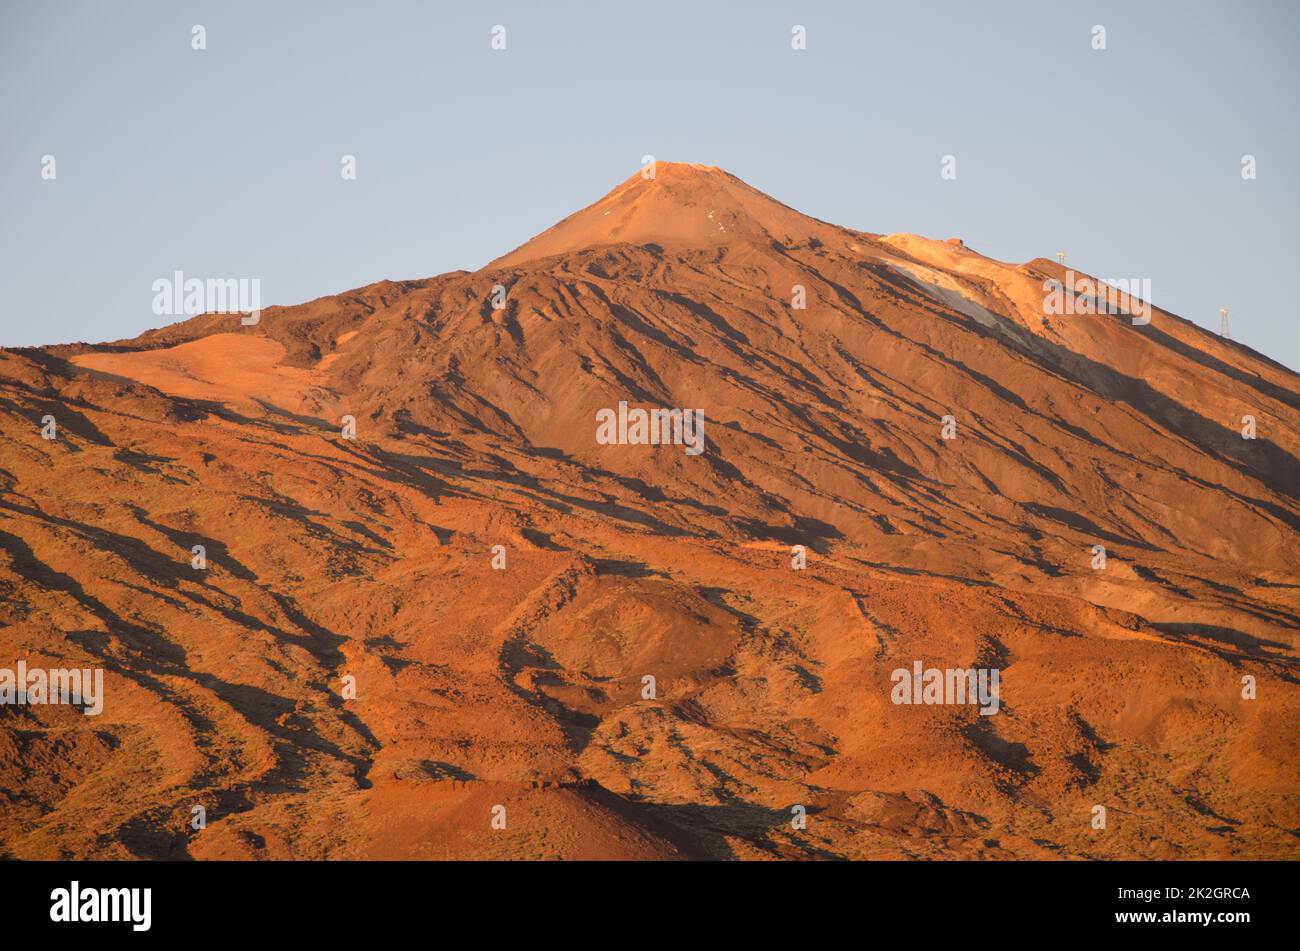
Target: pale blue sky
225	162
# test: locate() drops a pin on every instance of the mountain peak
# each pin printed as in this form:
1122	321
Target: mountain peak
680	204
687	168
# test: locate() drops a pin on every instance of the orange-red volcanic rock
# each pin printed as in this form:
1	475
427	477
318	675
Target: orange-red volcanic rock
357	673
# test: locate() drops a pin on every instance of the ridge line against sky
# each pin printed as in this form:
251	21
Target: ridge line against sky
225	161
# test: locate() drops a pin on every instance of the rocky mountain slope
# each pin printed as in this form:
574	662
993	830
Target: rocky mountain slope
354	673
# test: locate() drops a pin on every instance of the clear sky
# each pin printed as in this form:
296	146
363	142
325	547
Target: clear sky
225	162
